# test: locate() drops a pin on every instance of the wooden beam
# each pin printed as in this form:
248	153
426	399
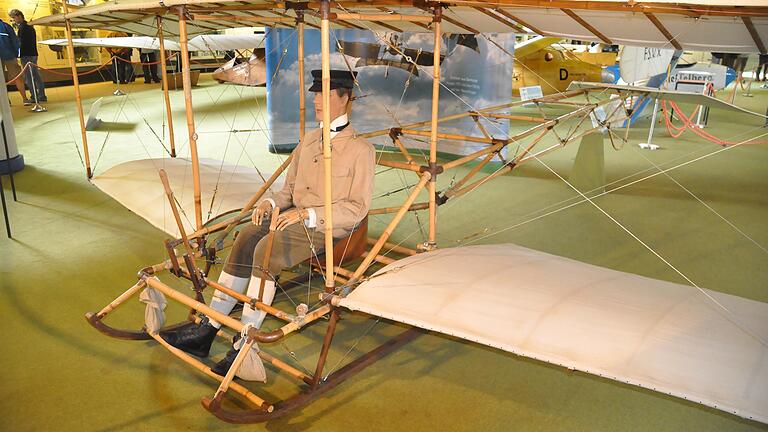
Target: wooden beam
652	18
587	26
514	18
458	23
753	32
500	19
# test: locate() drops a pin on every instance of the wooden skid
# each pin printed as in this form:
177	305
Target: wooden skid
304	398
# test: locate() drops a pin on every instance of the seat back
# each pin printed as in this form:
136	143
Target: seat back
350	247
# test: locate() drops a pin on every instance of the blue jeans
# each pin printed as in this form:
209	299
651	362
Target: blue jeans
32	76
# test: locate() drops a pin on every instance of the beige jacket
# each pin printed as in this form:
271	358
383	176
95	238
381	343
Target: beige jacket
353	169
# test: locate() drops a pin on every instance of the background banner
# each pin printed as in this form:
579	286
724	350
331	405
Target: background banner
475	73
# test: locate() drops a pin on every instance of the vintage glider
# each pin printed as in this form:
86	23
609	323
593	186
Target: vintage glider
677	339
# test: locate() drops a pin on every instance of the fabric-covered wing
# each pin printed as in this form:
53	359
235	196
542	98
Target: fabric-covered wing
137	42
225	42
711	25
659	335
673	95
136	185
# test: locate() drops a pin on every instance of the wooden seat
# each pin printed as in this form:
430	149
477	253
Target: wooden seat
348	248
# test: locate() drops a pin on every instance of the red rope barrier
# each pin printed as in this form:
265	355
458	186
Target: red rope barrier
689	124
88	72
147	63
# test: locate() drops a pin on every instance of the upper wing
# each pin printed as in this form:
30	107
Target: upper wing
225	42
709	25
673	95
137	42
659	335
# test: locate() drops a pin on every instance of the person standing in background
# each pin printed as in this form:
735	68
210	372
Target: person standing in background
122	69
149	65
9	53
28	54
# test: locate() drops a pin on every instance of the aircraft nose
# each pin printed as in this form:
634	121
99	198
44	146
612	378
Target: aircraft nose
607	77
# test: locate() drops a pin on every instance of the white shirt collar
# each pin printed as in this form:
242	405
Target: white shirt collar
338	121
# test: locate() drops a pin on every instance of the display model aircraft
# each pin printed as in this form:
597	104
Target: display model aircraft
538	63
251	72
685	341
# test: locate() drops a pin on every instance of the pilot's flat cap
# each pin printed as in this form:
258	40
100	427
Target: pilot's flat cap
339	79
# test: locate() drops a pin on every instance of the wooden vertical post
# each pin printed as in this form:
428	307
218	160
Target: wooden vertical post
432	187
76	83
302	90
164	73
187	84
325	9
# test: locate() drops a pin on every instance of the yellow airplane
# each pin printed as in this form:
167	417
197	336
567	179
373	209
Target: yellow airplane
537	63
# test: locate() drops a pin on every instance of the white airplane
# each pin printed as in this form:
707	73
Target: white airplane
682	340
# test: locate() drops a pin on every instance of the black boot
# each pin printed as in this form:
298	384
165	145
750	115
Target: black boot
222	367
196	339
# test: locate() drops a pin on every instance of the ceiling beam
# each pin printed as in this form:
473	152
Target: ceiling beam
652	18
753	32
587	26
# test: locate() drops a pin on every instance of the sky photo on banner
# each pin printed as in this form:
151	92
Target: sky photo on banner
392	92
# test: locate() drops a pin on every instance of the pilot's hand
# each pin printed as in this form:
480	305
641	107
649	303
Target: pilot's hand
263	209
290	217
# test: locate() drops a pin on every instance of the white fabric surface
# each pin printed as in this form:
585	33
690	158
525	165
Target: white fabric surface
662	336
136	185
623	27
154	315
252	368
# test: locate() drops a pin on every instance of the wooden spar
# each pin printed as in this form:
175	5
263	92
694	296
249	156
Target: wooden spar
480	126
197	364
76	83
403	150
241	355
130	292
325	10
187	84
175	211
274	20
457	137
226	320
472	156
385	210
516	117
381	258
285	367
381	17
400	165
302	90
432	188
476	169
425	177
164	74
553	98
232	222
245	299
268	253
393	247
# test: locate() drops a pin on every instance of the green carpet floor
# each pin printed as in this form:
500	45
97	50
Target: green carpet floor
75	249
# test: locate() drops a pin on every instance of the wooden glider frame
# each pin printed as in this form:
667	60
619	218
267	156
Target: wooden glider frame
193	246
